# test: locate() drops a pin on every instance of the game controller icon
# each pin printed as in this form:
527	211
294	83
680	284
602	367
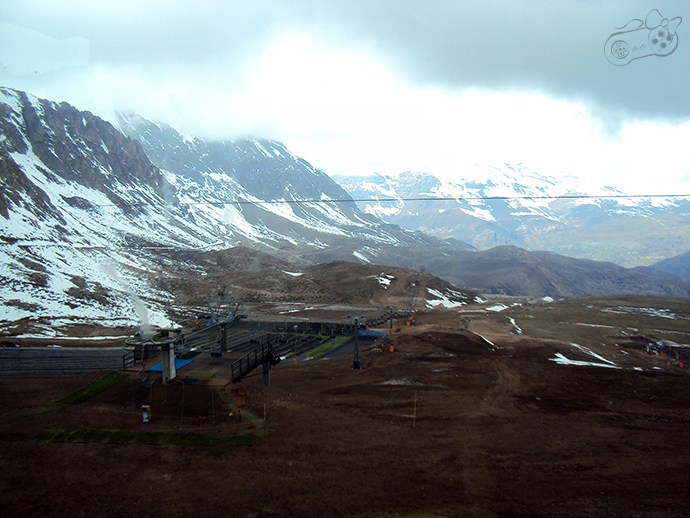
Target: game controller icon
656	36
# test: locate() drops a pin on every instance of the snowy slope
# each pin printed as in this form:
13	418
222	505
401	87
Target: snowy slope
517	205
84	211
75	205
94	224
254	189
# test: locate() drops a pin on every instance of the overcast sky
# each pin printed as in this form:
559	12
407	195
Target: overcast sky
363	86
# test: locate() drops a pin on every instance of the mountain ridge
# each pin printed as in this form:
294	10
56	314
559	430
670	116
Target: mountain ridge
516	205
510	270
84	218
678	265
90	227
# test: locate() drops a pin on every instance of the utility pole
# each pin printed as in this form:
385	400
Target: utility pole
356	365
224	337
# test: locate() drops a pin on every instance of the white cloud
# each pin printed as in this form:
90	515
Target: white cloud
339	89
347	112
24	51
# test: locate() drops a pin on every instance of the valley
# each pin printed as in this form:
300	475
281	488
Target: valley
104	222
527	383
344	259
499	408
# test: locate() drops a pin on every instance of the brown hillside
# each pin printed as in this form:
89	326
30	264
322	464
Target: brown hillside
480	422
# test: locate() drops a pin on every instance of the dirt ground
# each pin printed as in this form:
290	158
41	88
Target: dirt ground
445	425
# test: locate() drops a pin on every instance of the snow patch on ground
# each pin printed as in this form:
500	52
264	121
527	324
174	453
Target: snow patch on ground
653	312
493	345
562	360
361	257
383	279
517	328
590	325
442	299
479	213
497	308
401	381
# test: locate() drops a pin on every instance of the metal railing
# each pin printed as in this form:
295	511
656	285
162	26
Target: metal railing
264	353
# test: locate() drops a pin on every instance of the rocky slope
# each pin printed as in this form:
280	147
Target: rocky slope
92	229
88	223
265	196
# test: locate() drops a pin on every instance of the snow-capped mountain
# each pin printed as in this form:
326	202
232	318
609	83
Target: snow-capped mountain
248	190
516	205
256	192
77	197
84	213
120	228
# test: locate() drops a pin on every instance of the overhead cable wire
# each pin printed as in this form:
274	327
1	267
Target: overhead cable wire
388	200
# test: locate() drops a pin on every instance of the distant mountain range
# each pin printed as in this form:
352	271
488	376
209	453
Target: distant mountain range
95	218
679	265
516	205
515	271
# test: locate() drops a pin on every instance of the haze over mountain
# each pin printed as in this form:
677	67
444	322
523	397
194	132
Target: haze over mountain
227	183
85	213
678	265
94	223
515	271
517	205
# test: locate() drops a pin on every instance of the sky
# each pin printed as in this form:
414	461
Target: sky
363	86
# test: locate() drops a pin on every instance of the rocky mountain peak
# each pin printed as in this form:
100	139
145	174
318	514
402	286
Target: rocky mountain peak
75	145
263	168
93	222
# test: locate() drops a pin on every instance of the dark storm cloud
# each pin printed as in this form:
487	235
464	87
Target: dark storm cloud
556	47
407	84
551	46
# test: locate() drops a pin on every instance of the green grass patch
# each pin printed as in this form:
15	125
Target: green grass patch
221	443
201	375
327	347
92	389
132	437
79	396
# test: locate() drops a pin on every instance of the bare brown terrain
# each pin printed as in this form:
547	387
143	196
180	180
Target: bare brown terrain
268	288
452	422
